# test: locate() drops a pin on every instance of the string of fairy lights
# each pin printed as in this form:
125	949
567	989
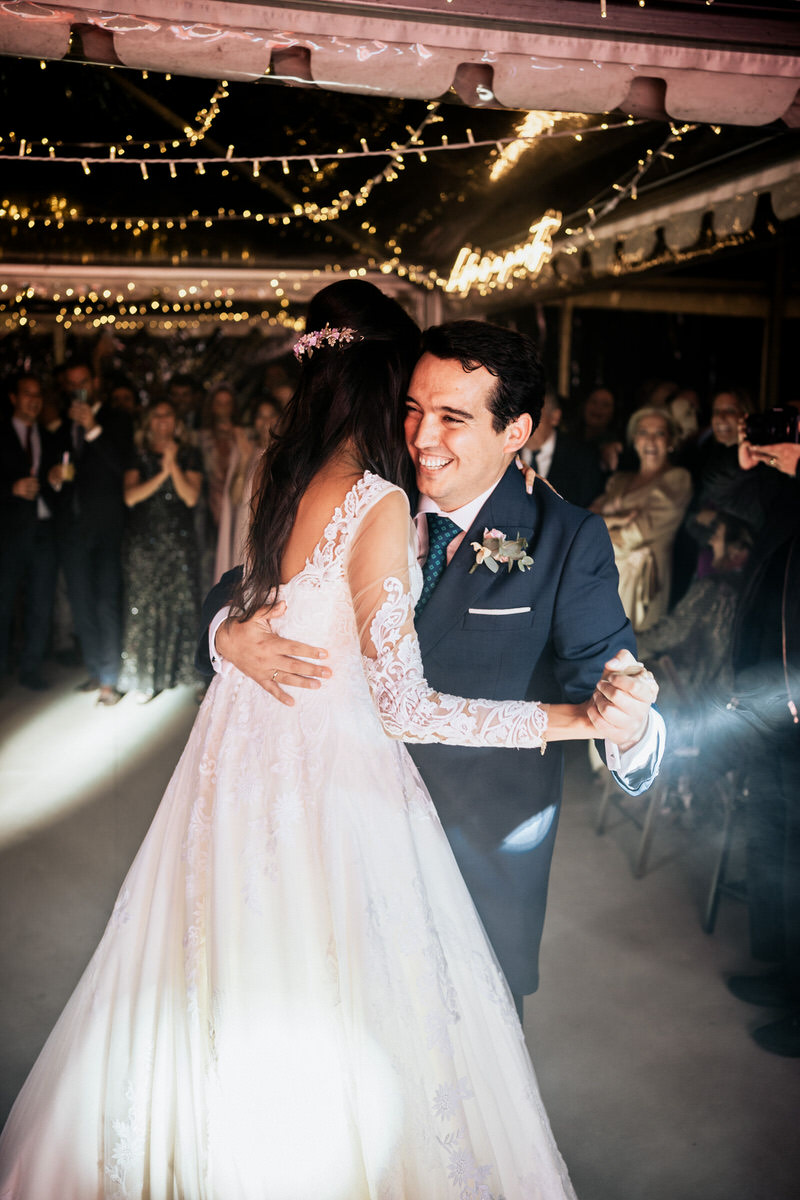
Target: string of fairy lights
396	154
489	271
117	310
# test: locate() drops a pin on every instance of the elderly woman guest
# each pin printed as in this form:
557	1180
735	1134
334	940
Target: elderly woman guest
643	510
160	564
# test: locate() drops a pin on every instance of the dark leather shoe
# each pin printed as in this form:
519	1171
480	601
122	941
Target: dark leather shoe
88	685
34	681
769	991
108	696
781	1037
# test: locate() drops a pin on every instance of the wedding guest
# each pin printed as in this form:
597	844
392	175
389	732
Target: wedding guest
695	637
27	542
717	476
642	510
217	442
162	605
234	523
766	659
97	441
122	395
598	427
715	465
571	467
185	394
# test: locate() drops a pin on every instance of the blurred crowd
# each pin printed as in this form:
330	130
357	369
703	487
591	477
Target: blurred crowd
702	506
118	515
116	519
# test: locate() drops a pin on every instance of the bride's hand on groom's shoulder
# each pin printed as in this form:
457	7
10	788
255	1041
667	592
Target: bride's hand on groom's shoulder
272	661
620	706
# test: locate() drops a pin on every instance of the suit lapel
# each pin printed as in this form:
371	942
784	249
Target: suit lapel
509	509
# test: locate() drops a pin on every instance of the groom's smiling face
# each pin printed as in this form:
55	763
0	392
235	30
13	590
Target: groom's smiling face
456	451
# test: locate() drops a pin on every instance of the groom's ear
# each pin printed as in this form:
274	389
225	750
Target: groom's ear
517	433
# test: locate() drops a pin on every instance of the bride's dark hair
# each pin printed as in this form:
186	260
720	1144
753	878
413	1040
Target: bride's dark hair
347	392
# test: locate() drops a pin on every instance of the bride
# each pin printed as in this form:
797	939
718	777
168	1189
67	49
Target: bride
294	998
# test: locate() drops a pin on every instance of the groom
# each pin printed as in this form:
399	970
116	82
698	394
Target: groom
548	633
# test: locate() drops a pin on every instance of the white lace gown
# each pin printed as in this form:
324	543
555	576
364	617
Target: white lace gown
294	998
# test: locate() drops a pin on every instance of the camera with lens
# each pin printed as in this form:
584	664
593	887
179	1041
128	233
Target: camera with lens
773	426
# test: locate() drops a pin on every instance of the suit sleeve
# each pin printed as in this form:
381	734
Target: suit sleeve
590	627
217	598
589	623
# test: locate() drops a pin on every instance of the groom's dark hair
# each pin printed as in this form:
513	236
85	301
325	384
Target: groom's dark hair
510	356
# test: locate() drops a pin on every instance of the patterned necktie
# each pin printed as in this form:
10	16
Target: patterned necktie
441	531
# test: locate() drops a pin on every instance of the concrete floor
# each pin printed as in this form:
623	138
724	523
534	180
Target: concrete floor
654	1089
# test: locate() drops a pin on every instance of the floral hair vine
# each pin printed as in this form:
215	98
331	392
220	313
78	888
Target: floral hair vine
327	336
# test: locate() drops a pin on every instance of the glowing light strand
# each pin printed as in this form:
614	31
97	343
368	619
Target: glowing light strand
248	159
596	210
472	268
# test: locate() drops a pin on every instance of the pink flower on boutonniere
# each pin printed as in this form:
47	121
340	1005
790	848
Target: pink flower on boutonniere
497	548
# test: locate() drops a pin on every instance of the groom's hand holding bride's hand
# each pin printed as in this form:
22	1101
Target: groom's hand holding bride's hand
620	706
269	659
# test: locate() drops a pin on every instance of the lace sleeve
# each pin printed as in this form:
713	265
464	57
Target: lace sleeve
378	574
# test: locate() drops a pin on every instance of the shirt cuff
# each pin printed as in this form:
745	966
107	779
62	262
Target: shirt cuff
93	433
217	661
650	745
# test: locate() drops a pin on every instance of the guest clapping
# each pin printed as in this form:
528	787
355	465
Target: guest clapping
642	510
161	570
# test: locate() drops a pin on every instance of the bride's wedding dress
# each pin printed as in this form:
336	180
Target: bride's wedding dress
294	998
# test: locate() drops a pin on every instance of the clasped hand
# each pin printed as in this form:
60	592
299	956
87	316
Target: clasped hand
620	704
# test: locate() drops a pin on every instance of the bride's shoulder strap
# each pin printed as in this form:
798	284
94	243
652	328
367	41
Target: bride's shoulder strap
348	519
365	495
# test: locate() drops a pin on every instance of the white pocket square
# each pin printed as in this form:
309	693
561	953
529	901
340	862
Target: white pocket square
498	612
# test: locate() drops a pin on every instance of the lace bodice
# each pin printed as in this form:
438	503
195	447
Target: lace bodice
369	547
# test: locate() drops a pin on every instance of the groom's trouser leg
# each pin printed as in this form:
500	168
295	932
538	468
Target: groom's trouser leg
508	884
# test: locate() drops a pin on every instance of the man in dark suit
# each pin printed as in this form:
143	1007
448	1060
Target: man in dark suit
549	633
571	467
27	544
91	517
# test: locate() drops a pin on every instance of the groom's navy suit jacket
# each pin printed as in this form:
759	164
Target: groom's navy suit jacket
569	622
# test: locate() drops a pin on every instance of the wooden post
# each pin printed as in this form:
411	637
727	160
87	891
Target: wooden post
59	344
565	348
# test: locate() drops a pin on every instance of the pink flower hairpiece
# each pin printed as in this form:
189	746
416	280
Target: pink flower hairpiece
309	342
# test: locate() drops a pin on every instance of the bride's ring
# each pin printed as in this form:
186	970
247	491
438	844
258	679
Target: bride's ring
274	673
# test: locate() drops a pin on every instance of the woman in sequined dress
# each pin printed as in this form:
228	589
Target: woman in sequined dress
161	569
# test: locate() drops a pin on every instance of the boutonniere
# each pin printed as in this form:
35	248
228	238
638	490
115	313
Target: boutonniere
496	548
